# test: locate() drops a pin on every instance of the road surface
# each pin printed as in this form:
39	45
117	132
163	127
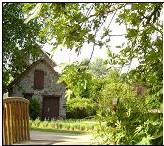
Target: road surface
51	138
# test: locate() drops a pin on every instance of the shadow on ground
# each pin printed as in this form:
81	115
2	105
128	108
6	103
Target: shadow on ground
50	138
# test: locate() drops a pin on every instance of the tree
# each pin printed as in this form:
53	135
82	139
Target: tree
86	21
20	41
145	37
78	80
80	84
83	20
98	68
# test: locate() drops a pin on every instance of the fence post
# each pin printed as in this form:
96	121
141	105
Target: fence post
114	109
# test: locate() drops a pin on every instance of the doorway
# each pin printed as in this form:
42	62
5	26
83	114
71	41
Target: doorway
50	107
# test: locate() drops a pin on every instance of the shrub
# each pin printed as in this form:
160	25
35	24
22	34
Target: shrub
70	125
34	108
51	125
72	128
78	108
36	123
30	123
44	124
82	127
60	126
130	121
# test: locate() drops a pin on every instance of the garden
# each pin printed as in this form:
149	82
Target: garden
118	107
119	116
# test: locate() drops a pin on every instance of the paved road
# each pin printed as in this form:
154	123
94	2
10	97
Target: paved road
50	138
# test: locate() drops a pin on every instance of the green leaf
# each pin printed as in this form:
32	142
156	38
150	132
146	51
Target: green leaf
34	12
145	140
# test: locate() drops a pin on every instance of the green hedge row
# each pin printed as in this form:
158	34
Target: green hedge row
79	108
69	125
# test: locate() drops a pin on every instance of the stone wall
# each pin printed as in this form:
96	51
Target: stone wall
51	87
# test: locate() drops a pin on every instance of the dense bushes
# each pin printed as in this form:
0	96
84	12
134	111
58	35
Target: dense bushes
34	108
78	108
131	121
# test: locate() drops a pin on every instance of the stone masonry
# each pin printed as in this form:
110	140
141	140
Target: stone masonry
51	87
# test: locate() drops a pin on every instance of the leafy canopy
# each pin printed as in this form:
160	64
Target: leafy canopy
20	40
73	24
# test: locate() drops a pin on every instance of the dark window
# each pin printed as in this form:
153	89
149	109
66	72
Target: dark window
38	79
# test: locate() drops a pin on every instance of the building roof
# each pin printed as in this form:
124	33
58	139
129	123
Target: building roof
41	60
47	56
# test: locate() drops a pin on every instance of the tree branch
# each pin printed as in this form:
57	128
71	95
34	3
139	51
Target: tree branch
97	31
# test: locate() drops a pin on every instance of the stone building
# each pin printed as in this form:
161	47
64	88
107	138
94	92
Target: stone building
39	81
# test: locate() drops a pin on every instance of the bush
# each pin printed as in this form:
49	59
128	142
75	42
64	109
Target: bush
78	108
34	108
36	123
45	123
130	121
82	127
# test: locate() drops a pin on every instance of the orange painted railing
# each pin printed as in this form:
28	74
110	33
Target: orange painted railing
15	120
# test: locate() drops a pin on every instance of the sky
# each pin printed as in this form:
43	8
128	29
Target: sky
63	55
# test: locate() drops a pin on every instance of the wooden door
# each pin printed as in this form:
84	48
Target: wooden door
50	107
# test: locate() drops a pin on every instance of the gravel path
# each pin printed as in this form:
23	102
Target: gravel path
50	138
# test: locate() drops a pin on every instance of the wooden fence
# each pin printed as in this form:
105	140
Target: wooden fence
15	120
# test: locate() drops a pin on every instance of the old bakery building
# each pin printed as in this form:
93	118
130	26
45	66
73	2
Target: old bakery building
39	81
